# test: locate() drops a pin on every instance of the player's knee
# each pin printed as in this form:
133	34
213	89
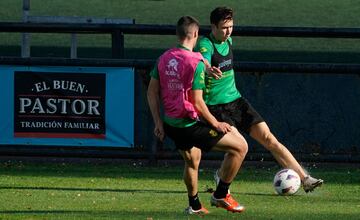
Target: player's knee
242	148
196	163
192	162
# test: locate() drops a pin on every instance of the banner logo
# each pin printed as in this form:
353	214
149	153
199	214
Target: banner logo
59	105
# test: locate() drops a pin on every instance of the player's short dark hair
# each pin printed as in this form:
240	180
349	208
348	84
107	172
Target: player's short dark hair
184	25
221	14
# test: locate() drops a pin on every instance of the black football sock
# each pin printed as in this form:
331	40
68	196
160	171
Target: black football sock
221	190
194	202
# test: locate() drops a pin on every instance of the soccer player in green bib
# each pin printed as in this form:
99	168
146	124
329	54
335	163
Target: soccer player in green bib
227	104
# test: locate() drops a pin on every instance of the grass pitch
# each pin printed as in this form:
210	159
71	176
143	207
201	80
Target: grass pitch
134	191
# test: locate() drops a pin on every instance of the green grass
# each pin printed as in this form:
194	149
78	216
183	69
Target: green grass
112	191
306	13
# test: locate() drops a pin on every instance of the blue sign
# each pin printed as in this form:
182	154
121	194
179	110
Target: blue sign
67	106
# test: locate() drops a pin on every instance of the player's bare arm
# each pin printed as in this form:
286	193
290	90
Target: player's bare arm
153	95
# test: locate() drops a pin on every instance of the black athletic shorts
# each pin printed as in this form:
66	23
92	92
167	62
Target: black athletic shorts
199	135
238	113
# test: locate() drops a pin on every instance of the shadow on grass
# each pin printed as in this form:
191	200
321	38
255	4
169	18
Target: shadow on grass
167	191
348	175
169	214
120	190
79	214
91	189
260	194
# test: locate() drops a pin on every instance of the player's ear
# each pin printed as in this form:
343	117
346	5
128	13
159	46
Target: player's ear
213	26
196	34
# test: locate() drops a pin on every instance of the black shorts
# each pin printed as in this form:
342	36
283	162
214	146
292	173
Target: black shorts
198	135
238	113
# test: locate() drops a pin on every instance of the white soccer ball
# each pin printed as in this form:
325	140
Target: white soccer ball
286	182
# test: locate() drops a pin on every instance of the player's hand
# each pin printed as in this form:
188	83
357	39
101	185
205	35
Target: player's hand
214	72
223	127
159	131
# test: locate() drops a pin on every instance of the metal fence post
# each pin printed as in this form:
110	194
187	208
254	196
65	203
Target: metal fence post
25	41
117	42
73	49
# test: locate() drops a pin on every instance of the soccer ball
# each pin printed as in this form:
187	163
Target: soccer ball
286	182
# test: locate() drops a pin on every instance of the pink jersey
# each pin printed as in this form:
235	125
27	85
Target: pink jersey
176	73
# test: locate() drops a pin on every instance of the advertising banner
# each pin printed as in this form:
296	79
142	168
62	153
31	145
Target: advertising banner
67	106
